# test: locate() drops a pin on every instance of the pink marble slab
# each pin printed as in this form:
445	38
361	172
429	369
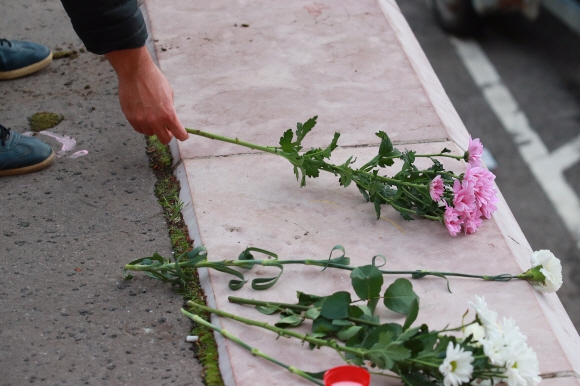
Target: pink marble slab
254	200
565	379
339	60
359	68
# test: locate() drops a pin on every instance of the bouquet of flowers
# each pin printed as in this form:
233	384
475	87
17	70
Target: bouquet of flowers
488	352
458	201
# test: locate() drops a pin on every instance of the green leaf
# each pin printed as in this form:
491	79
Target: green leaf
319	375
409	157
305	299
234	284
379	257
364	309
289	321
345	174
412	315
264	283
386	146
416	379
438	275
391	330
323	325
267	310
303	129
340	260
348	332
286	141
318	335
185	277
409	333
385	352
311	168
372	305
342	322
297	174
333	145
415	345
355	312
197	255
247	253
312	313
405	215
399	296
377	204
363	192
437	167
367	281
336	305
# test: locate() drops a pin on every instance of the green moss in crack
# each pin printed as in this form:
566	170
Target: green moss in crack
44	120
167	191
179	240
160	158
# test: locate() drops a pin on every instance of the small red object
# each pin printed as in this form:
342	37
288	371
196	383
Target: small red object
347	376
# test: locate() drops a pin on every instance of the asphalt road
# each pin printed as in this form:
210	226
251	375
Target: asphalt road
539	63
66	314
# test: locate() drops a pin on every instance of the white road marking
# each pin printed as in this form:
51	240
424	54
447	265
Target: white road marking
548	168
488	159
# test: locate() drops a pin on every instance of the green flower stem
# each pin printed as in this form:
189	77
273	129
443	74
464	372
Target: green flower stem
375	159
276	150
297	307
411	195
234	263
235	141
369	165
251	349
280	331
457	157
400	208
252	302
320	263
422	362
449	174
384	374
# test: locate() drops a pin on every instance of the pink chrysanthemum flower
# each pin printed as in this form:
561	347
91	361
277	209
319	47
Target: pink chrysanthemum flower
474	151
472	221
452	220
436	188
463	198
481	181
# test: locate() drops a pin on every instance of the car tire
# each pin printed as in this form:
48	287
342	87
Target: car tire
457	17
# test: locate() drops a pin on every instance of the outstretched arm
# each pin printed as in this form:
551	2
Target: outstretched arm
116	28
145	95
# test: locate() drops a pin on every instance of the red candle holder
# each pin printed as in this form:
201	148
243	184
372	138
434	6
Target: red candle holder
347	376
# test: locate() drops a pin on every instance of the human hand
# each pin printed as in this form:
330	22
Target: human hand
145	95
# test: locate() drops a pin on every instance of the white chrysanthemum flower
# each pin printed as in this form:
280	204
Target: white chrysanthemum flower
488	318
476	330
551	268
512	335
523	368
496	349
457	367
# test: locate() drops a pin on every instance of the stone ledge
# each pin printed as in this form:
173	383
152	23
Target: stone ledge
368	75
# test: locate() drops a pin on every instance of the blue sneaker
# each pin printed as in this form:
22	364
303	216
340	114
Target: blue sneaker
19	58
20	154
